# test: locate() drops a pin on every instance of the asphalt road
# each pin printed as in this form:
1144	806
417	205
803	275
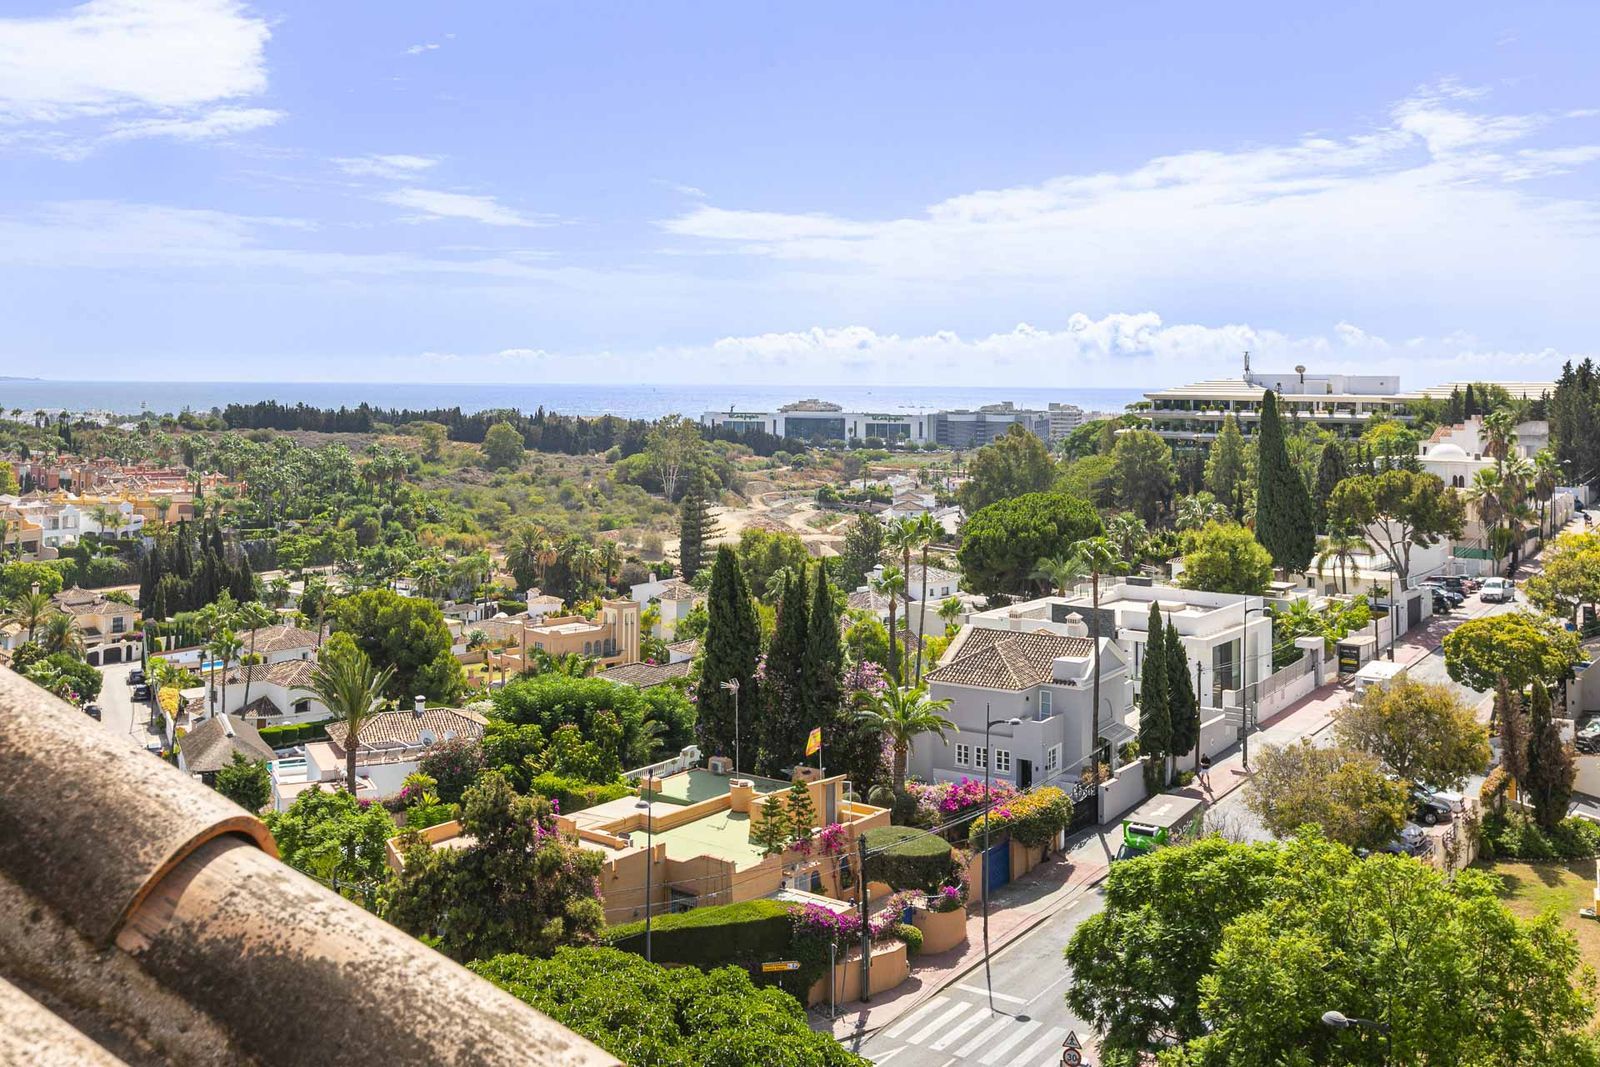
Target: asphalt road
1030	1016
119	713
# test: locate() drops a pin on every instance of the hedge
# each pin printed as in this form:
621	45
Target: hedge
1515	836
295	733
907	858
750	931
575	794
1032	819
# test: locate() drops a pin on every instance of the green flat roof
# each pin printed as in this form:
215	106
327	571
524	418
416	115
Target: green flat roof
725	835
697	784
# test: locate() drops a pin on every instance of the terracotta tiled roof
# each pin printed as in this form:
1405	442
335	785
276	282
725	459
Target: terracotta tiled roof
678	589
291	673
646	675
77	601
1003	659
270	639
691	647
392	729
210	746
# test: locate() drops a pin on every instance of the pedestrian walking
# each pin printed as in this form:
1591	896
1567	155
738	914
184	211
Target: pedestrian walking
1205	772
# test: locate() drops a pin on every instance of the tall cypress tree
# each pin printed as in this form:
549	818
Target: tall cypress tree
781	729
696	527
1331	470
1183	710
1284	522
732	646
1155	722
1551	768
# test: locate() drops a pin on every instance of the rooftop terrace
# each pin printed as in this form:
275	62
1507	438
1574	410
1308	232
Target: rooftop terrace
697	784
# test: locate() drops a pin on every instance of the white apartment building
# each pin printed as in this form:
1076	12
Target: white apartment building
1226	635
822	421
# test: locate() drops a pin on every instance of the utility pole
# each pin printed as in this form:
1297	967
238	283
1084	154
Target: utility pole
866	932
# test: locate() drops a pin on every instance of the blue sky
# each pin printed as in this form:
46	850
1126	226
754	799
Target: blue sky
997	194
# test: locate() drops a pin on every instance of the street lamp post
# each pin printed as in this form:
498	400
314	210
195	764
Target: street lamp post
1393	616
649	865
1338	1020
732	686
988	809
1244	710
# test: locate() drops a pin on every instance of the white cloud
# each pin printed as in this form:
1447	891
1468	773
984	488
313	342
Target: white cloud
1428	214
399	167
438	204
219	122
418	49
148	58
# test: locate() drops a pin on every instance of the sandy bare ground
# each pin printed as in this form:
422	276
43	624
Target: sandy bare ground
779	511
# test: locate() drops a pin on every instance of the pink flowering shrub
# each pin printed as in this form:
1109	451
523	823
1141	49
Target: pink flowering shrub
866	677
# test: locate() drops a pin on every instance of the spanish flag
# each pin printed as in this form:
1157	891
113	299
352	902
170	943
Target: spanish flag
814	741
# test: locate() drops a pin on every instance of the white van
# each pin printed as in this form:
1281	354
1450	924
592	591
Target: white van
1497	589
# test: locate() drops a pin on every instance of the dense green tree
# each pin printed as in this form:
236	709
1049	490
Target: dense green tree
1001	544
1183	705
769	557
18	578
643	1013
246	782
697	527
1226	558
1143	474
551	701
773	831
1552	769
1569	576
333	838
1331	470
1285	523
63	673
1092	478
1137	964
1344	791
1398	510
1436	959
1155	717
1420	730
732	646
407	634
1519	646
502	447
862	551
848	746
1011	466
347	683
520	886
781	728
1228	467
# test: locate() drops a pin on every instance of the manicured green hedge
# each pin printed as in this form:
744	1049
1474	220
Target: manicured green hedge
1516	836
750	931
295	733
575	794
907	858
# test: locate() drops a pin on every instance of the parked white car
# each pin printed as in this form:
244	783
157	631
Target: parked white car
1497	590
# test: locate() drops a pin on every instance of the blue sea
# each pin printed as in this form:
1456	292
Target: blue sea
631	400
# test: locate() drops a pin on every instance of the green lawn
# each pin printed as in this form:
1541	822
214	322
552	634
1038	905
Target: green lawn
1531	888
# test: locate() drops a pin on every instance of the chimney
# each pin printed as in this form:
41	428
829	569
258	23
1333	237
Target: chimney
420	706
1076	627
227	726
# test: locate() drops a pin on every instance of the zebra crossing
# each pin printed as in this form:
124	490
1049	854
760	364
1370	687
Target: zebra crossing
955	1029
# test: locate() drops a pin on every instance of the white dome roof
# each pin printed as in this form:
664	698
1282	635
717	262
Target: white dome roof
1446	450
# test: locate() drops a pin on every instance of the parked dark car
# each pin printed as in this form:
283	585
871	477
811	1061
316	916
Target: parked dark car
1456	583
1442	603
141	692
1428	809
136	677
93	711
1587	740
1440	590
1413	841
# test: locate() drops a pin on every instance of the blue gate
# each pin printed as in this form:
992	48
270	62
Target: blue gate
997	865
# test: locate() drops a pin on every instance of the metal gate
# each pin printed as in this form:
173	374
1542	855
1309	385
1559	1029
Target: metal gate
1083	813
997	865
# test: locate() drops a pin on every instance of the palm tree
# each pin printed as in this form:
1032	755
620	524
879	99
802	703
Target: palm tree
1499	432
902	537
928	531
1491	498
949	611
1128	533
347	684
569	664
253	615
523	551
1057	572
1546	476
1095	556
30	610
890	583
902	715
1341	546
60	634
1197	509
608	557
225	647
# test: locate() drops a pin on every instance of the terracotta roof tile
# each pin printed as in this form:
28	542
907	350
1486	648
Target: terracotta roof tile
404	728
646	675
209	746
271	639
1003	659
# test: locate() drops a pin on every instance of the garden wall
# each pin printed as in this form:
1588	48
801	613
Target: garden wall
1124	792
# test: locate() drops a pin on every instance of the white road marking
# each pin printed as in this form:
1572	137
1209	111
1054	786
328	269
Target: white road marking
1018	1035
982	992
925	1032
916	1017
887	1056
958	1031
1051	1038
984	1036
